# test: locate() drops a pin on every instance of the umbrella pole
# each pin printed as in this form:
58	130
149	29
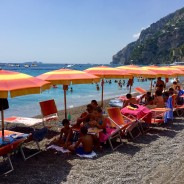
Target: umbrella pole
2	119
151	85
102	92
65	88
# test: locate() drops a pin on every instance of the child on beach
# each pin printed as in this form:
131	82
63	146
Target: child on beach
66	135
86	142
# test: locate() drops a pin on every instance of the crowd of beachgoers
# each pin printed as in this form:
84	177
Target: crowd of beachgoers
153	157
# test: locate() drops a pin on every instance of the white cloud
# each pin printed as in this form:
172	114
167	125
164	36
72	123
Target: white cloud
136	35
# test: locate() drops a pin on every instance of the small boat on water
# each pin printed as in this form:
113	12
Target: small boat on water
33	65
69	66
26	66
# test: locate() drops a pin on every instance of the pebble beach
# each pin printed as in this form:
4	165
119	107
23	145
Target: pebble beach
154	157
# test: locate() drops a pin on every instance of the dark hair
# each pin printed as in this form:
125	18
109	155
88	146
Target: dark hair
171	89
158	93
94	101
159	78
90	106
148	93
128	95
84	130
65	121
174	82
166	94
98	109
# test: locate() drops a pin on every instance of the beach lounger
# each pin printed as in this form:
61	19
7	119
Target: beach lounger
5	152
140	90
179	109
119	121
49	111
36	136
8	147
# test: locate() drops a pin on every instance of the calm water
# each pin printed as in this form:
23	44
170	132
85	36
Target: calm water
82	94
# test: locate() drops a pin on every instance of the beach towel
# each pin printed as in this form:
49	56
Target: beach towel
58	148
91	155
169	114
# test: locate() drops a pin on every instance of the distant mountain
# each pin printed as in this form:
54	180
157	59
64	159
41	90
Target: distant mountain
162	42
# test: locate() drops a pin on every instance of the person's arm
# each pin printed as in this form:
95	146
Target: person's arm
68	136
61	133
80	120
77	143
125	103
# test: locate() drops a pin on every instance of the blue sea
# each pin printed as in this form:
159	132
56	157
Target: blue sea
82	93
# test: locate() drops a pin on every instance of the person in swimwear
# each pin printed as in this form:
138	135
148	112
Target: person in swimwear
86	140
66	135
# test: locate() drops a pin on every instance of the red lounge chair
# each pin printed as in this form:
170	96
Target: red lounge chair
6	150
49	111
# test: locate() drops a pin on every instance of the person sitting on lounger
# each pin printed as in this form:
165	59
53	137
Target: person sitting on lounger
158	99
94	103
147	98
86	140
129	100
85	116
101	123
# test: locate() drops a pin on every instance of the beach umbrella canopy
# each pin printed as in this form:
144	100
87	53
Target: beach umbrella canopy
160	71
105	72
67	77
181	67
17	84
138	71
176	71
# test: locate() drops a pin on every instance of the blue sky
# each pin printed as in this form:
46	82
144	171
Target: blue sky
74	31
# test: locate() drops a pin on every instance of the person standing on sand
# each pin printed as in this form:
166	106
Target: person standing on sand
87	143
160	82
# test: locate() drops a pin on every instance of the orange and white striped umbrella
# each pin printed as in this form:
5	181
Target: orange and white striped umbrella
108	73
18	84
67	77
176	71
137	71
160	71
181	67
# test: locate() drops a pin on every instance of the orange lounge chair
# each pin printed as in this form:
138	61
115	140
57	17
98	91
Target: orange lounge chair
49	111
140	90
118	120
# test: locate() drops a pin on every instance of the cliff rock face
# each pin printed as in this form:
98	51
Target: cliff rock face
162	42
